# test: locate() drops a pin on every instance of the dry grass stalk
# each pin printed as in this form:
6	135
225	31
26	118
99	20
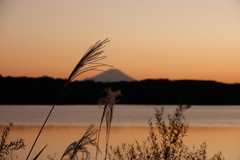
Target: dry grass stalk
91	57
108	109
74	148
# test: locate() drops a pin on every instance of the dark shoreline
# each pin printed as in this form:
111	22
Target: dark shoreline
23	90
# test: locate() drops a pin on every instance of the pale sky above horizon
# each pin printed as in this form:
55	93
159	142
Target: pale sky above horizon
187	39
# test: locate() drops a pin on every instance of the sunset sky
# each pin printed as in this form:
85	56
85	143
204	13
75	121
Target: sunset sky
186	39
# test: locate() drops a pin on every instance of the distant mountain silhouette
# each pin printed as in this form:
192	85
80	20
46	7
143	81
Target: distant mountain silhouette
111	75
45	76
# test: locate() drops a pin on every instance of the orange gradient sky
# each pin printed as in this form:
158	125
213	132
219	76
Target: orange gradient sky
184	39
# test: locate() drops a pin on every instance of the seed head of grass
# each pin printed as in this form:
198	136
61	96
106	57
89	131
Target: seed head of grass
81	145
91	58
109	101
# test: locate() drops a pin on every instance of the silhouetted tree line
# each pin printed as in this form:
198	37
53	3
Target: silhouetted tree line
24	90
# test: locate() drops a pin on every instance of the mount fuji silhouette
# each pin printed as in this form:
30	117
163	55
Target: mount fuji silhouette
111	75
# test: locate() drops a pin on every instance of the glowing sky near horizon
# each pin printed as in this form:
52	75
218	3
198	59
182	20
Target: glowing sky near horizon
184	39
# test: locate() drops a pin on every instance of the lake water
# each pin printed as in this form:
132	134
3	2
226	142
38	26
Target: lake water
219	126
124	115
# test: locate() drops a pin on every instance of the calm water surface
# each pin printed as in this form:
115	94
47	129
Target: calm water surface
211	126
124	115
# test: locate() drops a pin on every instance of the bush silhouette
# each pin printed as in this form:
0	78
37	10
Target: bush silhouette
165	144
5	147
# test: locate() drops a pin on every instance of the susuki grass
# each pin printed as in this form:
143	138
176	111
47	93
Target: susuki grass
89	61
108	103
81	145
74	148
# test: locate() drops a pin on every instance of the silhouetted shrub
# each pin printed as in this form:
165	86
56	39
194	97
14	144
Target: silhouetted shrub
164	142
5	147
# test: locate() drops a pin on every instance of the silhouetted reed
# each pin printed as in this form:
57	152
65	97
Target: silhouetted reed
88	62
108	102
71	152
91	57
